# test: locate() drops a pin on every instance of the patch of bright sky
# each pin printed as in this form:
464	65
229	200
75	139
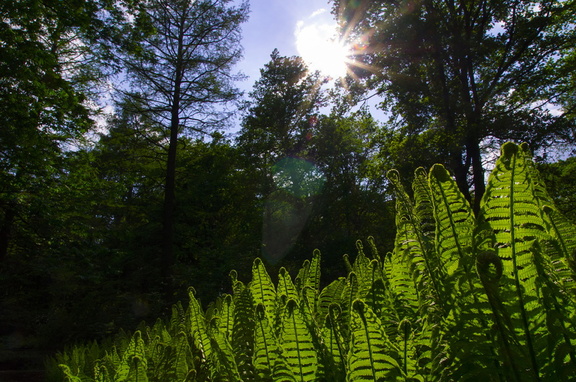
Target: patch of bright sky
318	43
273	24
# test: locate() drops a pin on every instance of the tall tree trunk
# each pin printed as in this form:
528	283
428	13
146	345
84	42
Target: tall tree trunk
5	230
170	189
168	258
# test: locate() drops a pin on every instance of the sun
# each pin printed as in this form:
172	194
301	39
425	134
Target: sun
319	46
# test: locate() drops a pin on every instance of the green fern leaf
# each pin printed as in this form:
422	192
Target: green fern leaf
404	269
558	358
363	270
266	347
183	356
297	344
311	288
349	294
134	363
564	232
70	377
178	319
313	274
262	288
423	206
285	285
512	211
243	330
455	224
331	294
198	327
101	373
302	276
225	365
369	358
225	306
333	345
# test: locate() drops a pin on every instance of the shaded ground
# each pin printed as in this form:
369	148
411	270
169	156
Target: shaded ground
21	365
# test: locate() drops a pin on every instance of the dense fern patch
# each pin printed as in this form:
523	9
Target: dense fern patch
487	298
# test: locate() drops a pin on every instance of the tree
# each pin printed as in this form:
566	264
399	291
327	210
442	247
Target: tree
560	179
181	69
46	71
312	178
465	73
275	143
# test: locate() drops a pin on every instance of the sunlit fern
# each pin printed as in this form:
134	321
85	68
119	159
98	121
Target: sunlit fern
461	298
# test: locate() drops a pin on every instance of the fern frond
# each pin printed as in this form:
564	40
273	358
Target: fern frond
455	224
182	357
262	288
266	347
225	367
198	327
225	306
101	373
564	232
409	267
134	363
369	356
285	285
362	269
297	344
70	377
331	294
558	355
243	330
313	275
333	345
511	210
311	289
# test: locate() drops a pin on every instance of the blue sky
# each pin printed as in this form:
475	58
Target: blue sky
272	24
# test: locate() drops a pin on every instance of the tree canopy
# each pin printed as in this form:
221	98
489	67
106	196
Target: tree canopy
458	75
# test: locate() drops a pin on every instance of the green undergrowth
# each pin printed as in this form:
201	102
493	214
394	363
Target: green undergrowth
486	298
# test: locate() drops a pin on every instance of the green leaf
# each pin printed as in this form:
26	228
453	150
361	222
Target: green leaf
226	314
266	346
198	327
334	349
513	212
331	294
313	274
297	344
243	331
455	224
369	356
68	374
134	364
262	288
285	285
183	356
225	367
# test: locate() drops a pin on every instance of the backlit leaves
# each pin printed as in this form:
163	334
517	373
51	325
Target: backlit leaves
488	299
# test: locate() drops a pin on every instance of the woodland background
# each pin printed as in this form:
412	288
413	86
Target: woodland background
106	219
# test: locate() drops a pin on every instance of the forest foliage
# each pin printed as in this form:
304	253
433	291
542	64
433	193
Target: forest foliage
459	298
121	182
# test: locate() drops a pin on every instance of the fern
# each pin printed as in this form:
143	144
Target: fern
262	288
297	345
243	330
266	347
459	299
369	356
515	216
134	363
